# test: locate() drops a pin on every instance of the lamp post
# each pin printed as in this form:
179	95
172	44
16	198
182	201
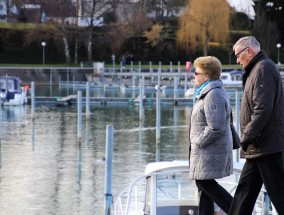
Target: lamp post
43	44
278	47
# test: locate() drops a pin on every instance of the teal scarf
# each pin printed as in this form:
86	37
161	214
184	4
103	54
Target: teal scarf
200	89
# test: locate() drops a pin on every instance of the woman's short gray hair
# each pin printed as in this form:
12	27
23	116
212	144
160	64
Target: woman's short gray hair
210	65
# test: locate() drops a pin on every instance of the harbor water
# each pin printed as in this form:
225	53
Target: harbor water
44	170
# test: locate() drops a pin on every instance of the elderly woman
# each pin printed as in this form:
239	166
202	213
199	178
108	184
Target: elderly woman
210	148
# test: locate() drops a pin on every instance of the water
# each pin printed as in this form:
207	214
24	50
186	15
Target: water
61	91
43	169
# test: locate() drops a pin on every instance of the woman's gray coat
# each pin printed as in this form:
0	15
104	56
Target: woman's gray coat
211	146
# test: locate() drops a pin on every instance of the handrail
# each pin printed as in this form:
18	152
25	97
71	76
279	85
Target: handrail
118	208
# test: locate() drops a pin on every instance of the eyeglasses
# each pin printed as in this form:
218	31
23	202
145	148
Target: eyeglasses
238	54
198	73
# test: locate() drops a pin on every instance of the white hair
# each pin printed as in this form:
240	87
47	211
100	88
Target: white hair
248	41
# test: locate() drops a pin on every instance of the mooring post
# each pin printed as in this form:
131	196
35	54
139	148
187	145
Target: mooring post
79	116
237	121
185	82
108	169
1	120
88	101
67	76
178	70
141	98
158	123
120	79
33	99
133	80
151	72
50	79
175	88
159	74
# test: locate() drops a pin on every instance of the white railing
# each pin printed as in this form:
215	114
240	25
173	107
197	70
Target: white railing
130	199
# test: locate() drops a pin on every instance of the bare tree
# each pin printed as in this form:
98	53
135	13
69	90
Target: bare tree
61	14
266	31
91	15
10	5
64	6
134	20
161	10
204	21
77	4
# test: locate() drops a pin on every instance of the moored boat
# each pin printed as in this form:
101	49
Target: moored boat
165	189
232	78
11	92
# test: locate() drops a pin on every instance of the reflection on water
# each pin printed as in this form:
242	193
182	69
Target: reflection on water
43	170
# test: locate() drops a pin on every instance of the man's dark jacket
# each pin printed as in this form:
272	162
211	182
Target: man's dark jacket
262	109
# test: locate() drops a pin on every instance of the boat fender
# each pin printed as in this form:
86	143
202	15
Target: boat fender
27	88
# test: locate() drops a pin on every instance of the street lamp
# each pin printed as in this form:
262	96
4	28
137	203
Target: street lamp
278	47
43	44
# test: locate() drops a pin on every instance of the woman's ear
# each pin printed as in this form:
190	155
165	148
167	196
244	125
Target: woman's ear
207	77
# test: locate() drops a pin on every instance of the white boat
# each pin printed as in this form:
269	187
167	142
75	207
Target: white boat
165	189
11	92
81	84
189	93
147	88
232	78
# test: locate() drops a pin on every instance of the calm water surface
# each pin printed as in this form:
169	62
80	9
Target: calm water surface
43	169
61	91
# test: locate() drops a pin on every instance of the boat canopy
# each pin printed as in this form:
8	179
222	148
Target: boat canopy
12	84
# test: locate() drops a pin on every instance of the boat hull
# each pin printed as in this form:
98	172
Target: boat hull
19	99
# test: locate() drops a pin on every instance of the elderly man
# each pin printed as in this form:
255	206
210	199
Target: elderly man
262	129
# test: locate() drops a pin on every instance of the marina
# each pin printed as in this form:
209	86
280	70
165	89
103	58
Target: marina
46	170
136	107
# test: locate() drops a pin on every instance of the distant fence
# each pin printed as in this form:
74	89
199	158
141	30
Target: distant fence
100	73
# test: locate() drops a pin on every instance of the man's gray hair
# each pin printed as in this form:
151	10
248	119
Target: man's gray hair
248	41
